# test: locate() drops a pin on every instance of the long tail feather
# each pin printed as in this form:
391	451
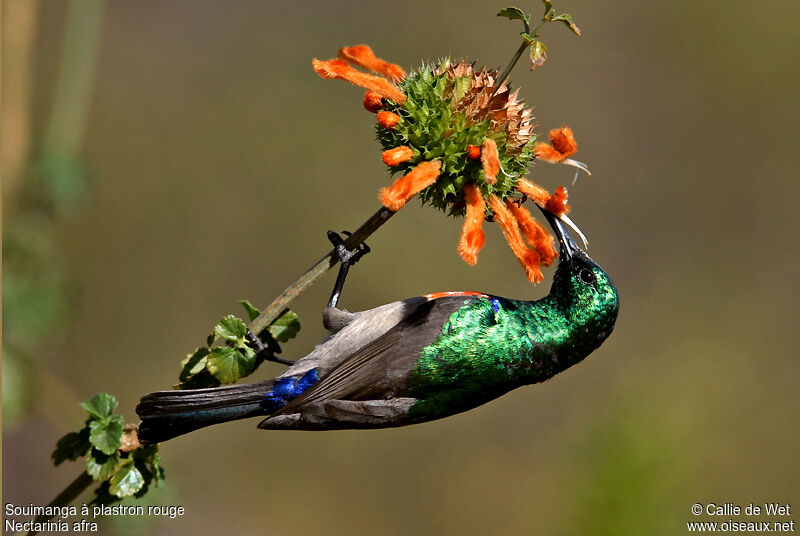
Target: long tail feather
168	414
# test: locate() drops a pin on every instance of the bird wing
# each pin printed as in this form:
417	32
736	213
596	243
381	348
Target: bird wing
379	369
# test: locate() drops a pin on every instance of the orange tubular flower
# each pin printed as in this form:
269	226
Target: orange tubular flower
557	204
472	237
508	224
490	159
473	152
545	152
388	119
363	56
563	146
406	187
340	69
563	141
373	102
398	155
534	192
534	232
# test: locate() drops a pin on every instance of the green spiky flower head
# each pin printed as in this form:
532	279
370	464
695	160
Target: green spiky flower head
450	111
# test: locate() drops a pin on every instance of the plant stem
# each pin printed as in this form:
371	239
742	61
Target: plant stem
64	498
514	59
518	54
317	271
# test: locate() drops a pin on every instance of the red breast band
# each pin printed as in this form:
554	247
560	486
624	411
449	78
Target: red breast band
437	295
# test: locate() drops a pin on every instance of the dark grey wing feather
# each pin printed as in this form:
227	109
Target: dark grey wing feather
380	369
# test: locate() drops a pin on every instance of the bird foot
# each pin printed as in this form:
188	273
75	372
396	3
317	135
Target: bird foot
266	351
347	258
345	255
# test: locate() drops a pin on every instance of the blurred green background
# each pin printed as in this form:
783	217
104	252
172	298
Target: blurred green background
211	159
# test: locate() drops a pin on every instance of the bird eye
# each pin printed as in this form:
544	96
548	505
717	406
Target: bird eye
586	276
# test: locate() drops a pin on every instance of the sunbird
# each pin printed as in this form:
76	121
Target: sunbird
413	360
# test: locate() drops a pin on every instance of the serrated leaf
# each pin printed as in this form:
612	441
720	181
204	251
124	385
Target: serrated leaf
100	405
567	20
285	327
231	328
538	54
106	434
228	364
252	312
194	363
101	466
514	13
72	446
127	480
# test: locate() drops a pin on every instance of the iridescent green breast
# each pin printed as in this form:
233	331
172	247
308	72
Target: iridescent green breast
487	347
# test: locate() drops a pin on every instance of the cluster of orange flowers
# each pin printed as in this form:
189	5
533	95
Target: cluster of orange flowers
529	240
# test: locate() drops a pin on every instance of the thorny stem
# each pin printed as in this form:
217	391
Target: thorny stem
317	271
70	493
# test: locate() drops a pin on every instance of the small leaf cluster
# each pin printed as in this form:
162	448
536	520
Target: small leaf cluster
211	366
538	52
114	457
435	131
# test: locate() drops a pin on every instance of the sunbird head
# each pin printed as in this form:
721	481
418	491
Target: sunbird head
582	289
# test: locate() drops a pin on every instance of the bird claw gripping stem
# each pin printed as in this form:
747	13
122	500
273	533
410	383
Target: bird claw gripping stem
266	351
346	258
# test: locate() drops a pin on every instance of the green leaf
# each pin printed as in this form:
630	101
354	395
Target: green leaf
148	461
194	363
252	312
515	13
153	461
101	466
567	20
106	434
285	327
228	364
248	352
72	446
538	54
127	480
100	406
231	328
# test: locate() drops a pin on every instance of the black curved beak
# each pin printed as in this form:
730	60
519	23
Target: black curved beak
569	248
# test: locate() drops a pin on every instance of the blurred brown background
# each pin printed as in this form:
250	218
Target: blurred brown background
211	160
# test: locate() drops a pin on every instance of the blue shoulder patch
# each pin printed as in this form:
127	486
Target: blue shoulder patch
285	389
